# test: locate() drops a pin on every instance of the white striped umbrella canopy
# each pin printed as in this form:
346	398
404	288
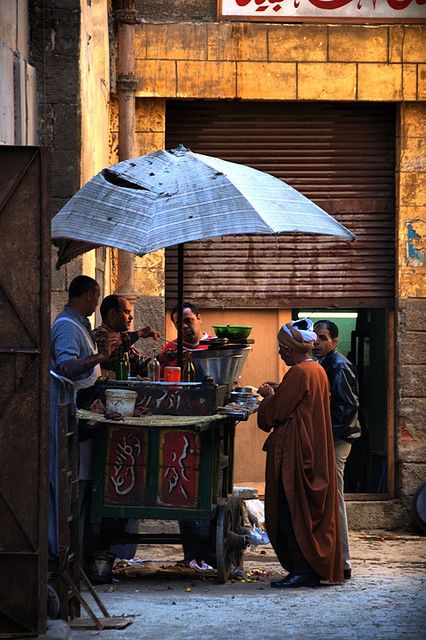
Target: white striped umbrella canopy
171	197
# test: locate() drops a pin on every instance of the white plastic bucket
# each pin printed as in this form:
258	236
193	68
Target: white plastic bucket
121	400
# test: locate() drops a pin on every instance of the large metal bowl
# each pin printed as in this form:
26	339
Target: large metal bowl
223	365
232	332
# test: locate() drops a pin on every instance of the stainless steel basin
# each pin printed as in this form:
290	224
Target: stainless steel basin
223	365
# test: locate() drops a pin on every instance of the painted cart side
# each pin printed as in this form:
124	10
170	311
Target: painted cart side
169	468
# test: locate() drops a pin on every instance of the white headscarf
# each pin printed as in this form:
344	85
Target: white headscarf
292	335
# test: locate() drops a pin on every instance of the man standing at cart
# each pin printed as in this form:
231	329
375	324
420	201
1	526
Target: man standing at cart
74	352
343	382
75	356
301	503
116	314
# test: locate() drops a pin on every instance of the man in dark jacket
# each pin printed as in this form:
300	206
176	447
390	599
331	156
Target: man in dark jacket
344	402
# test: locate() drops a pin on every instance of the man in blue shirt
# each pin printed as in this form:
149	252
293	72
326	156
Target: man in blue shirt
74	352
75	356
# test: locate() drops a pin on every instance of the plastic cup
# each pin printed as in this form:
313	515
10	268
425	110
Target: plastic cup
171	374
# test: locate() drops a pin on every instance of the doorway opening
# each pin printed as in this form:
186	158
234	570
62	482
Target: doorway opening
364	340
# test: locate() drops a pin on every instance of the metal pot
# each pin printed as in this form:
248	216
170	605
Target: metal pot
223	365
237	396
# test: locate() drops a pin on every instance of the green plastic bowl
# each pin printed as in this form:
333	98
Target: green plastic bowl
232	332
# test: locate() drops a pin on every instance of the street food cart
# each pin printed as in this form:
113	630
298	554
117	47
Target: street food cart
159	200
176	464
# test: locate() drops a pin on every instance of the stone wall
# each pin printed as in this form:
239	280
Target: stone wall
253	61
70	49
18	96
173	10
149	269
94	107
411	312
55	35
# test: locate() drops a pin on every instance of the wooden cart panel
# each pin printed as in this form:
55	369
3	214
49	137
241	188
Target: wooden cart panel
165	467
179	468
126	465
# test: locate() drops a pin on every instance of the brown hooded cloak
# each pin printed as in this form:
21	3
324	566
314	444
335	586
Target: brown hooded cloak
300	451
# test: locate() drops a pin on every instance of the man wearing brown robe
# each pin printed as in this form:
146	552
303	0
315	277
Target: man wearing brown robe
301	503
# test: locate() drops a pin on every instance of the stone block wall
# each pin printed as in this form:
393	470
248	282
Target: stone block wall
18	94
149	270
55	37
70	49
253	61
411	310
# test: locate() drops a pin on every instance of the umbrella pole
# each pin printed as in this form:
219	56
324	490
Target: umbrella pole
180	283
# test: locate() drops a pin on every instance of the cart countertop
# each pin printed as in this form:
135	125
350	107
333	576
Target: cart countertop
199	423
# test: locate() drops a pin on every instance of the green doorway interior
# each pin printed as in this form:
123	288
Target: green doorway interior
363	340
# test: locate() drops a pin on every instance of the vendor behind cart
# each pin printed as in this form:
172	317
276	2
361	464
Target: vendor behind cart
75	356
192	333
116	314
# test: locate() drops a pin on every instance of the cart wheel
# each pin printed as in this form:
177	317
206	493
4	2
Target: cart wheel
229	520
53	603
223	527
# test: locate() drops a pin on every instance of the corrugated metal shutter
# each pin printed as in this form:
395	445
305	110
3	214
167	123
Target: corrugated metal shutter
342	156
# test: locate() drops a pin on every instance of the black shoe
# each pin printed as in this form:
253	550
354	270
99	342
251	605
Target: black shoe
347	574
294	581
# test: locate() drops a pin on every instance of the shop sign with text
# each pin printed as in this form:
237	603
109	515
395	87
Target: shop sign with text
324	10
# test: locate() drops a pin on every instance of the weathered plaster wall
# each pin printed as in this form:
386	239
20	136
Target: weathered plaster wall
281	62
411	196
94	88
149	269
411	310
172	10
94	101
69	46
55	37
255	61
18	98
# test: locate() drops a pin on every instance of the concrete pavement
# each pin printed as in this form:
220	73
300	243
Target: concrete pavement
385	600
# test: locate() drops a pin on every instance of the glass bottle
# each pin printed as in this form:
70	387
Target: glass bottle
122	367
154	367
189	370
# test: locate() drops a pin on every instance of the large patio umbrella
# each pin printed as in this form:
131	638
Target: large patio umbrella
171	197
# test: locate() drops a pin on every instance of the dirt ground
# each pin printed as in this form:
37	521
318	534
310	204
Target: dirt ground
385	599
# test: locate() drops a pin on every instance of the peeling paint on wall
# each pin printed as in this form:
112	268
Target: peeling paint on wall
406	436
416	242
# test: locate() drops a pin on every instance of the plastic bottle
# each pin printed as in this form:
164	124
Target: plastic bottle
122	367
154	367
189	370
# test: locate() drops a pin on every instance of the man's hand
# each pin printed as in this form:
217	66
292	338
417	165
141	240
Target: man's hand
112	342
167	356
148	332
267	389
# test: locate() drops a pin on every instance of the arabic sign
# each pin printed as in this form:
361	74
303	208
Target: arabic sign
179	468
191	401
126	466
326	10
